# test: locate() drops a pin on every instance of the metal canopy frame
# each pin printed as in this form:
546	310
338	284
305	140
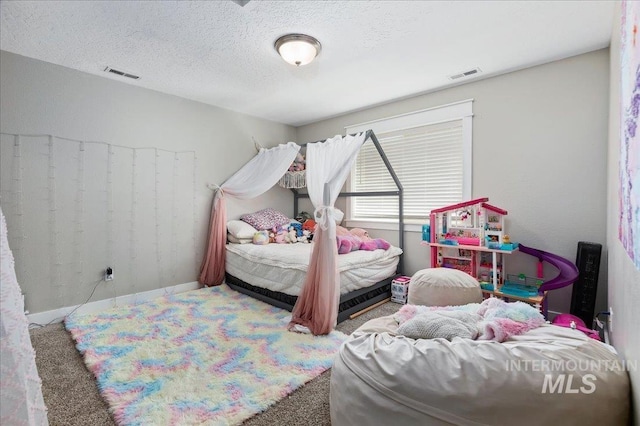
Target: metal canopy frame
369	135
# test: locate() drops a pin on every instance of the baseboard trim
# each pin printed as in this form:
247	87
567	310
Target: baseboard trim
57	315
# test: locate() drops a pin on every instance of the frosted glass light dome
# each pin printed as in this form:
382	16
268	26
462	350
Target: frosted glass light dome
298	49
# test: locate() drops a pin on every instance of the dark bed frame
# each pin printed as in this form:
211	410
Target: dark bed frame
354	301
350	303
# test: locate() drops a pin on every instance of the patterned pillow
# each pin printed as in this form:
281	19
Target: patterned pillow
265	219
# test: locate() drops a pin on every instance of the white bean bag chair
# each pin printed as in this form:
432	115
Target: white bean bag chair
547	376
443	287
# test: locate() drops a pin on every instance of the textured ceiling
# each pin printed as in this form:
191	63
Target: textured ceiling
220	53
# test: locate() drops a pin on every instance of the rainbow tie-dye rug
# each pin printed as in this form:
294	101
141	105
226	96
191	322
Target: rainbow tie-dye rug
205	357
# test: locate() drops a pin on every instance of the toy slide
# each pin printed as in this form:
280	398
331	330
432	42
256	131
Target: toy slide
568	271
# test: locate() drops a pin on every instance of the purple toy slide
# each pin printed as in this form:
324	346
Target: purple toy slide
568	271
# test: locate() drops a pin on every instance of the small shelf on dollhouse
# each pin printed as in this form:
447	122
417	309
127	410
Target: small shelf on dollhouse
535	300
465	258
466	247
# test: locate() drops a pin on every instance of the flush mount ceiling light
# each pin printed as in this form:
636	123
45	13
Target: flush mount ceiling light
298	49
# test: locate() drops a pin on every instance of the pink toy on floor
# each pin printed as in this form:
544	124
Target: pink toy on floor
572	321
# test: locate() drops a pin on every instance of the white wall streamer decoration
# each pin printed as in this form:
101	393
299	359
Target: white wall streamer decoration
75	207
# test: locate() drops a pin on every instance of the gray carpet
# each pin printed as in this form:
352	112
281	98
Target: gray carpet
72	397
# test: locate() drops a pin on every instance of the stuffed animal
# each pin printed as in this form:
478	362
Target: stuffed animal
357	239
261	238
360	233
309	225
303	217
277	234
305	238
298	164
298	227
341	230
348	243
291	236
375	244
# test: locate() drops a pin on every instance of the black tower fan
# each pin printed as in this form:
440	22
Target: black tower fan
583	297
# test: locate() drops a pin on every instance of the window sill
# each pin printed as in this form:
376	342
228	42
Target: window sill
387	225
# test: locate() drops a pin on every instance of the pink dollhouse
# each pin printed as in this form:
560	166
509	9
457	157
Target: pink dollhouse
471	237
472	223
468	236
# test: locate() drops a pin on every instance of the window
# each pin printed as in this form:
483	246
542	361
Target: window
430	152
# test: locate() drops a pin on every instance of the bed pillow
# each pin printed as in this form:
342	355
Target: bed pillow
240	230
235	240
265	219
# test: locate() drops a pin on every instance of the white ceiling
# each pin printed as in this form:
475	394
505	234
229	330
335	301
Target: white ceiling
222	54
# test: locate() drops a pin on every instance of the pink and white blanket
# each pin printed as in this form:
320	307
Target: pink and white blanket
493	319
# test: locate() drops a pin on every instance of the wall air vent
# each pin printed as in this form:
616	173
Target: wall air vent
121	73
468	73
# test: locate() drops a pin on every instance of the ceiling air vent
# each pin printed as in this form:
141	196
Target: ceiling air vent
121	73
468	73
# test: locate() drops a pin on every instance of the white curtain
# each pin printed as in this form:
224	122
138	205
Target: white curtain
261	173
328	164
254	178
21	401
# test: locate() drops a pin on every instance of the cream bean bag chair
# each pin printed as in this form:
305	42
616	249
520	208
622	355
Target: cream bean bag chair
442	287
379	378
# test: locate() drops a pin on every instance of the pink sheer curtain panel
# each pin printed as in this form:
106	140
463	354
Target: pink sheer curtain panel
317	307
256	177
213	265
328	164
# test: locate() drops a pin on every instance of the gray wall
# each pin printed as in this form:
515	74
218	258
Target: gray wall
539	151
624	278
63	254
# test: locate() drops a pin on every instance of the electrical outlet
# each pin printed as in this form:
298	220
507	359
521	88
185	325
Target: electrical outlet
610	320
108	274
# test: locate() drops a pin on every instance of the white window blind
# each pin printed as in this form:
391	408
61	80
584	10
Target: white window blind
430	151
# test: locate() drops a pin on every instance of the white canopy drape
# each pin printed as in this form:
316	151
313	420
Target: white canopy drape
21	401
261	173
328	164
256	177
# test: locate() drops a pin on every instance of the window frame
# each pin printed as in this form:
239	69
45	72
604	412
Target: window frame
461	110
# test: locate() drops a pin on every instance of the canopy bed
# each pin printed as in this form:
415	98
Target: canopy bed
312	292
